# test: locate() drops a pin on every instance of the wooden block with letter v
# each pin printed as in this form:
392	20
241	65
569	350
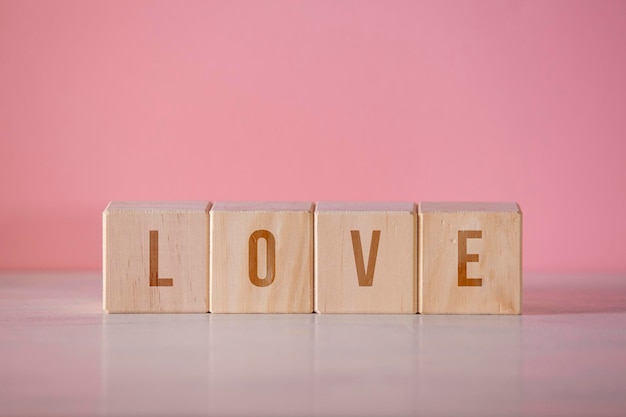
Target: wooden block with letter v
365	258
156	257
261	257
470	258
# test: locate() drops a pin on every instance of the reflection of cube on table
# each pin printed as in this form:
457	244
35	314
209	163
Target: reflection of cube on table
156	257
262	257
470	258
365	257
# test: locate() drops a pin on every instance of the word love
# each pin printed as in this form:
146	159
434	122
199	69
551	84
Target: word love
273	257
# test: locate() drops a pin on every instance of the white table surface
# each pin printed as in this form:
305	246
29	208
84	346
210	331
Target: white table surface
61	356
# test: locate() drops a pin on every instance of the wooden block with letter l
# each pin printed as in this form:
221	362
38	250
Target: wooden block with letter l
470	258
156	257
261	257
365	258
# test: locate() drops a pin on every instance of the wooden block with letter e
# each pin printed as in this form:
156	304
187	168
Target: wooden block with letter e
365	258
156	257
470	258
261	257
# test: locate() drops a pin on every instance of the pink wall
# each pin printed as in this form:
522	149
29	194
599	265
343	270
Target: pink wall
351	100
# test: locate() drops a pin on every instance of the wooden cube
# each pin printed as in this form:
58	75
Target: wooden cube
365	258
261	257
470	258
156	257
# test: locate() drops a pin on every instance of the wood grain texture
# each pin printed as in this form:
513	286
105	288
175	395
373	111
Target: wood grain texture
380	279
261	257
470	258
156	257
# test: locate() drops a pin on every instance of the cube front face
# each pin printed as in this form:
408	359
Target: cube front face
365	258
156	257
262	258
470	258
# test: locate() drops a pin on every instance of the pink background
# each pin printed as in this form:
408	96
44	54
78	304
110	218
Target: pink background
349	100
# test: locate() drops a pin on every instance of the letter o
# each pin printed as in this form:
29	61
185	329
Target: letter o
253	258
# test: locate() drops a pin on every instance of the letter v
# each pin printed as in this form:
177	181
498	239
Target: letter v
366	279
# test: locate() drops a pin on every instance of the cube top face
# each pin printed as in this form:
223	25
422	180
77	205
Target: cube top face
471	260
261	258
465	207
155	257
164	206
364	206
366	258
263	206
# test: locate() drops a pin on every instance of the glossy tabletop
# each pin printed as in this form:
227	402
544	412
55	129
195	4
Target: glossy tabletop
61	356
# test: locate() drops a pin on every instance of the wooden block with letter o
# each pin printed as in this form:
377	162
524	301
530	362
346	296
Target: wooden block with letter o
156	257
261	257
470	258
365	258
